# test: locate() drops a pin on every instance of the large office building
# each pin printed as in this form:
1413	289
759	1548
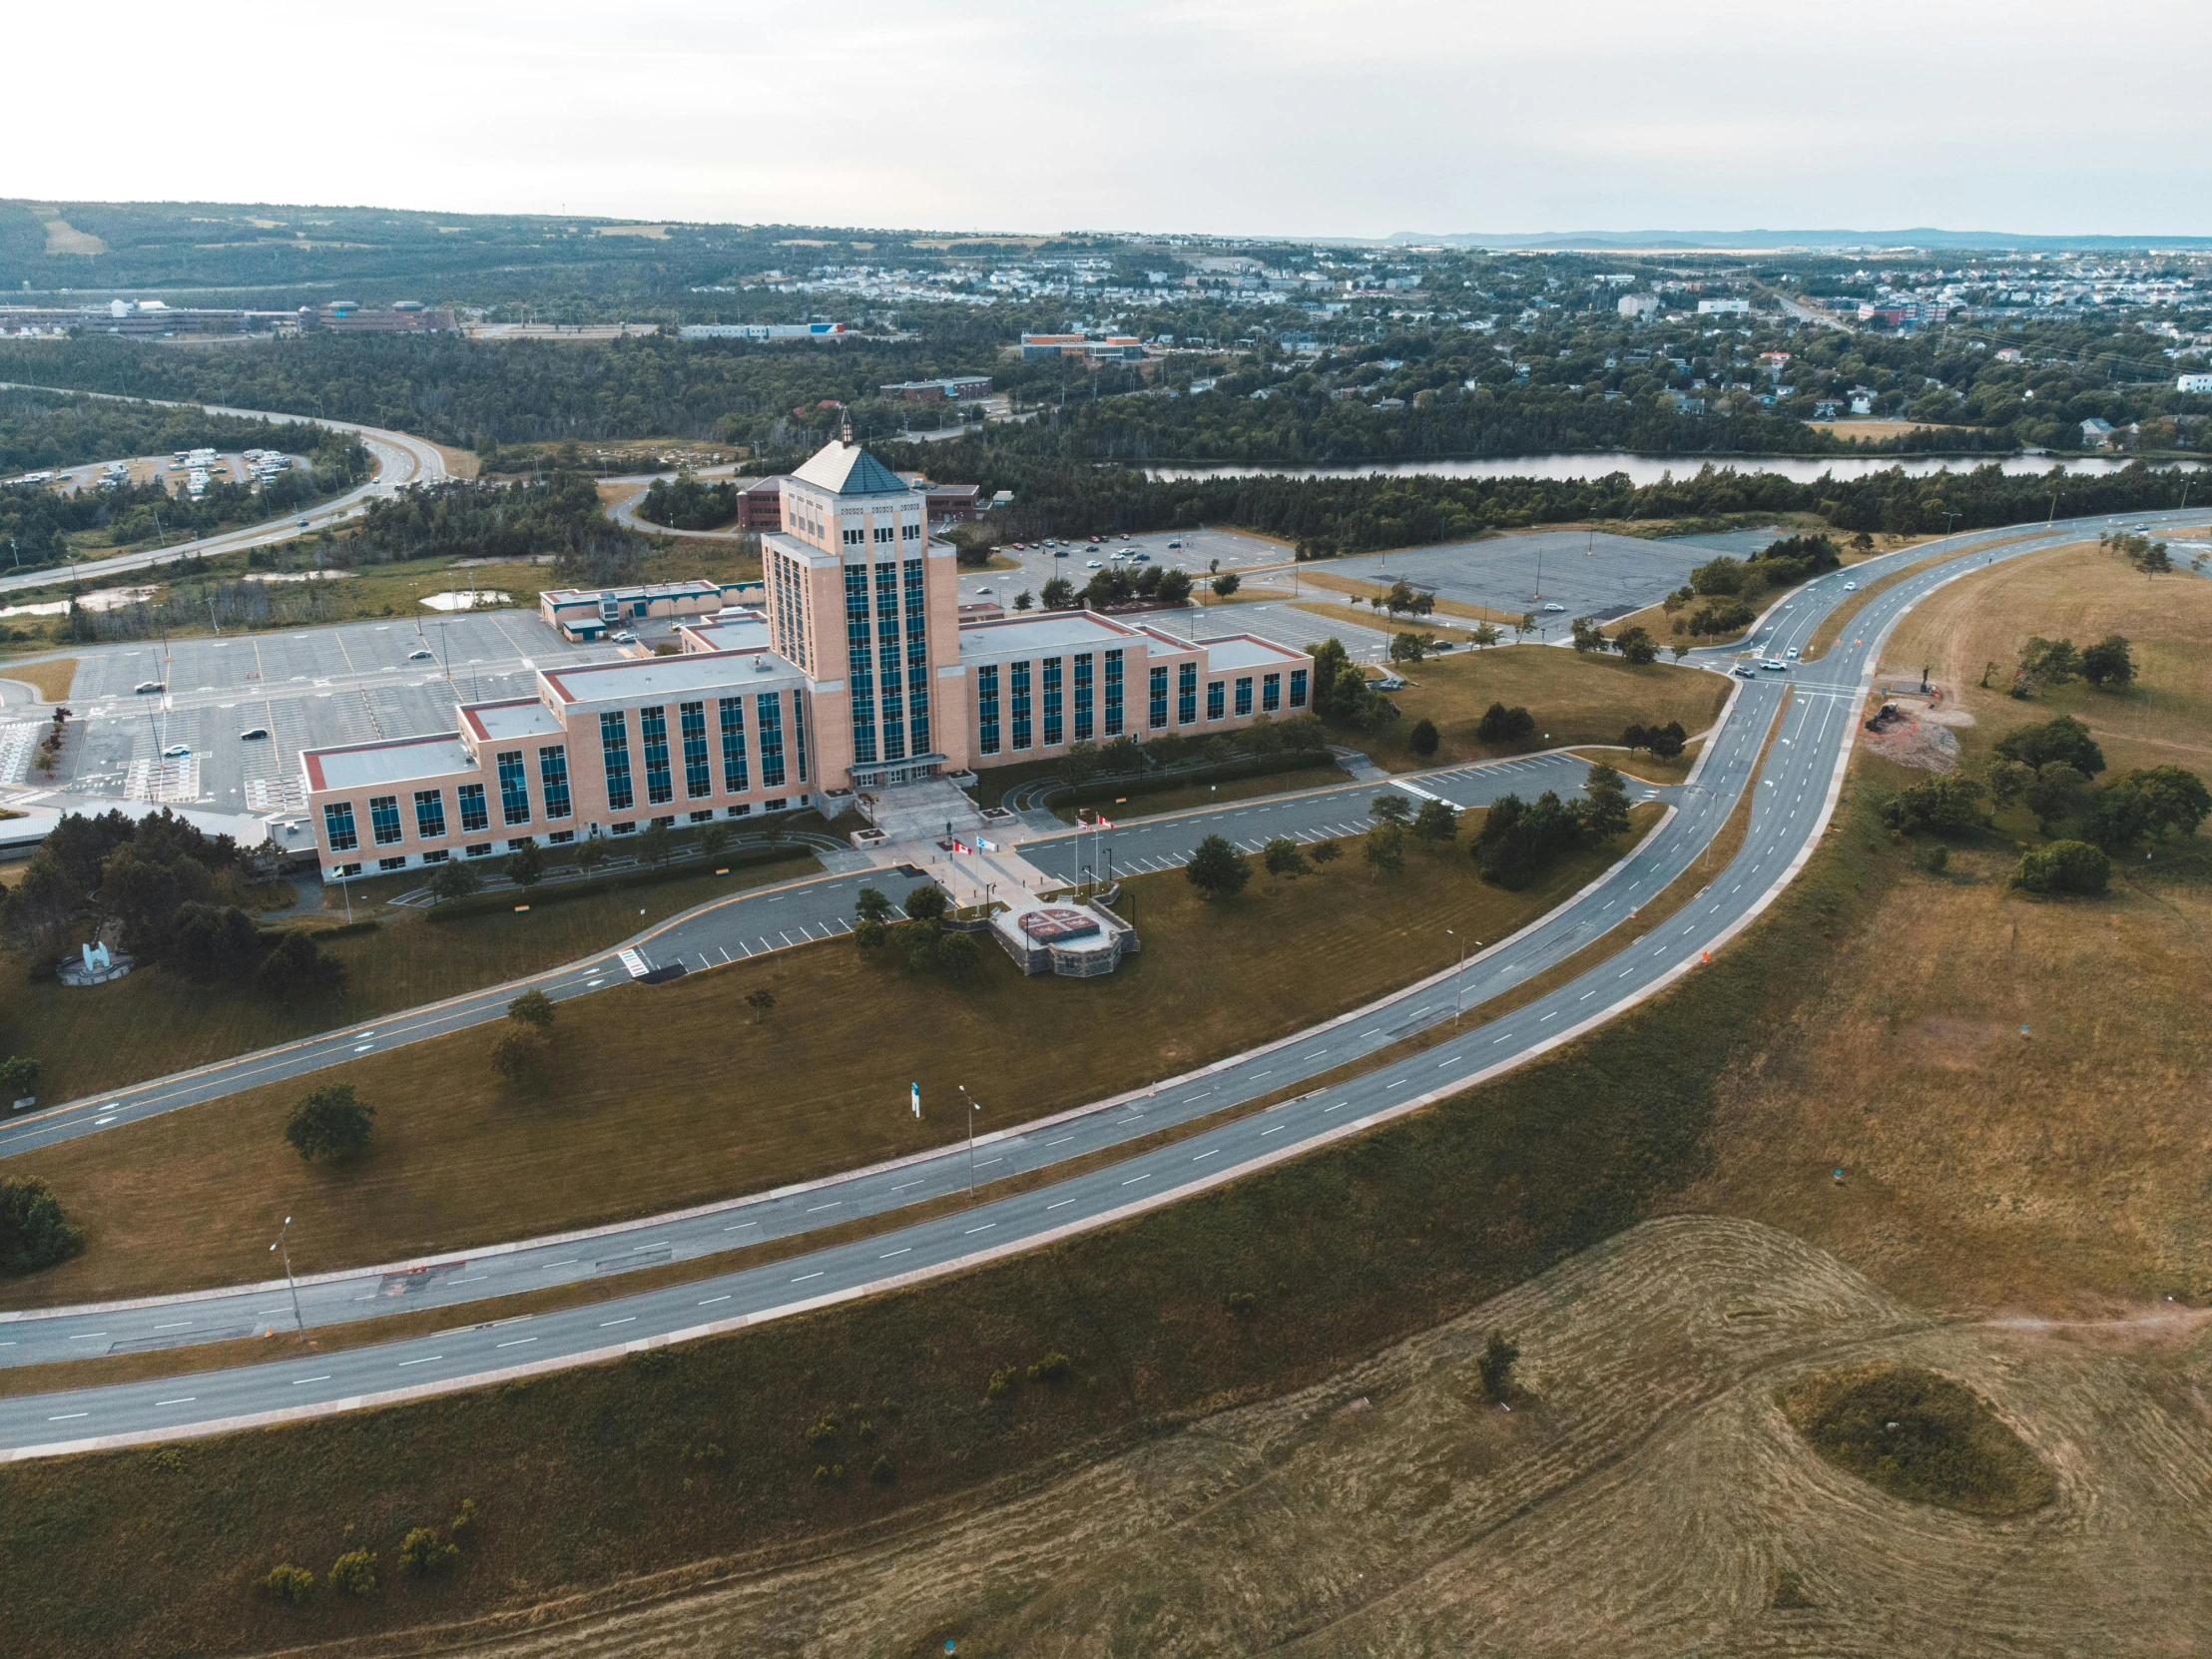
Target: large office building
852	673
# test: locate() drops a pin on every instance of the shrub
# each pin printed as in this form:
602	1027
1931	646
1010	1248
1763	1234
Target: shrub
959	956
883	1471
17	1077
533	1008
1495	1366
333	1122
422	1553
355	1573
463	1525
927	903
1240	1303
298	968
1920	1437
1423	738
1947	806
1502	725
35	1232
286	1582
2065	866
1217	869
1053	1368
2064	739
1002	1383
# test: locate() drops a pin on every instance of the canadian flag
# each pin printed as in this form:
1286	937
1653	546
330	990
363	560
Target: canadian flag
1102	820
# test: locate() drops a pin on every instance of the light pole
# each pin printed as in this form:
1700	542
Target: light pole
283	1244
974	1106
1458	981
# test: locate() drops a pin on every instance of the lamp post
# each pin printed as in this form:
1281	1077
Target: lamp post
974	1106
283	1244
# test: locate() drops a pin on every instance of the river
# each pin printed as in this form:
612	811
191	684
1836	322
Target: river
1650	470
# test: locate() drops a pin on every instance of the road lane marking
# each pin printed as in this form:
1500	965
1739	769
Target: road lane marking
302	1382
900	1250
518	1342
710	1300
985	1228
1063	1202
803	1278
427	1359
181	1399
67	1416
627	1319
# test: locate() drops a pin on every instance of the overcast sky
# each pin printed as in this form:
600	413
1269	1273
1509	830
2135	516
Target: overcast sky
1301	116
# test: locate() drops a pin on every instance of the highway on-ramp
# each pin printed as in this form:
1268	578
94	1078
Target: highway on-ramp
1810	715
400	460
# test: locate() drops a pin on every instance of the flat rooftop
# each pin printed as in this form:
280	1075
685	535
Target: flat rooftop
700	672
738	633
505	721
370	765
1244	651
1026	636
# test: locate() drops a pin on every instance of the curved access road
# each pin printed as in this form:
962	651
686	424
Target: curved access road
1793	783
624	509
400	460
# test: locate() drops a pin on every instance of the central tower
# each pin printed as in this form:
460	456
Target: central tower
867	607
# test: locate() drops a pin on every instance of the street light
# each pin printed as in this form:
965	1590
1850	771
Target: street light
974	1106
282	1244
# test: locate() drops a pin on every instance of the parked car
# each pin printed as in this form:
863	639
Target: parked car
1553	608
148	688
178	752
624	637
254	734
1094	564
420	657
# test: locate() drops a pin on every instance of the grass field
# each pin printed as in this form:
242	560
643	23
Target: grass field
1919	1435
152	1023
1984	1164
53	677
463	1159
1213	794
1575	699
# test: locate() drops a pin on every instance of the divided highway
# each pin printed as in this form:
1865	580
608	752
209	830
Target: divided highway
1810	714
400	460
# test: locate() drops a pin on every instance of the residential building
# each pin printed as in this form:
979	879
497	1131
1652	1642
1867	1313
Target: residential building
853	668
1637	306
2193	382
2095	432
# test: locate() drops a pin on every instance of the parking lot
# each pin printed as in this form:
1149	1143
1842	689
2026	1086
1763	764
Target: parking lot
1199	549
1585	574
306	688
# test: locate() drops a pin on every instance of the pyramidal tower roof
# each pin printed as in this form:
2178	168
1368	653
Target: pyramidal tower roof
844	468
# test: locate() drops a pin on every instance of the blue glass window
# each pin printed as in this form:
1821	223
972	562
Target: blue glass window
1216	699
1018	696
698	776
1186	694
1159	708
1113	694
614	751
1083	697
1054	728
553	777
429	814
514	787
986	709
1243	695
660	785
338	826
1298	688
733	778
1271	692
768	707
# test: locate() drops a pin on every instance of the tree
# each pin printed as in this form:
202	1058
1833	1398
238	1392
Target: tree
1325	852
2064	739
522	1054
2175	800
2046	663
1424	739
1386	847
1175	586
1390	808
2009	781
1217	869
287	1583
590	855
422	1553
1284	859
1411	646
871	904
533	1008
761	999
1081	761
1518	837
525	866
1637	644
927	903
1947	806
712	840
1024	600
19	1075
1436	824
333	1122
1588	636
655	843
1059	594
2108	664
1496	1366
2059	795
1603	809
1502	725
959	956
1122	756
1336	678
212	941
2065	866
1666	741
35	1232
1483	634
456	879
1225	584
871	935
355	1573
298	968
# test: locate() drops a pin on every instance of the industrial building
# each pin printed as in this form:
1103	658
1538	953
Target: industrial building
952	388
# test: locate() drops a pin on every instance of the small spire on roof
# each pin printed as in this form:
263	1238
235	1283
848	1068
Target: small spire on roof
844	432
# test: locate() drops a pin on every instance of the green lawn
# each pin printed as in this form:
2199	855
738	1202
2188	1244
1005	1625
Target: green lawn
671	1095
152	1023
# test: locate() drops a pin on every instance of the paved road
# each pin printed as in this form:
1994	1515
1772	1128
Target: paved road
400	460
1794	791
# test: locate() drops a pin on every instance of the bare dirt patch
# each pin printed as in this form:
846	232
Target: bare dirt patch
1921	733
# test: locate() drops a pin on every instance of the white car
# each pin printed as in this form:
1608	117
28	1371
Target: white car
1792	653
1553	608
1093	564
1851	587
1774	664
623	638
178	752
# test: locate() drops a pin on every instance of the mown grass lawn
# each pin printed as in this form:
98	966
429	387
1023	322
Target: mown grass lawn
152	1023
674	1094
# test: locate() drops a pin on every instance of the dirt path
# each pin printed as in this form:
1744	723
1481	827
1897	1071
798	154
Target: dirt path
1647	1500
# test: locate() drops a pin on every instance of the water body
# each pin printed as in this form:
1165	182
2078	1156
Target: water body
1650	470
